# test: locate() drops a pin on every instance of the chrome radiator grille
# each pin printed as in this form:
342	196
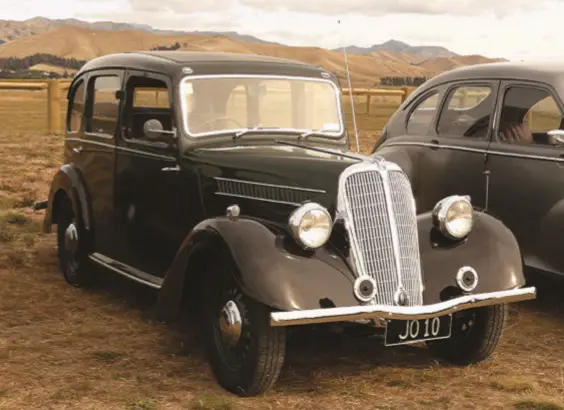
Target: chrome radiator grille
381	221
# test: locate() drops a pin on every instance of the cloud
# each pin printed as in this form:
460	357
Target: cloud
382	7
180	6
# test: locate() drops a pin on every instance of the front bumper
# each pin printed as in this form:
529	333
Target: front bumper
353	313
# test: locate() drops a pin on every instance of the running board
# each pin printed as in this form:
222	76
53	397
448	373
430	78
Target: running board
127	271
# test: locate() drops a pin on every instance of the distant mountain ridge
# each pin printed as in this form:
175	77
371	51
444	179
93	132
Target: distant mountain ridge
76	39
396	46
12	30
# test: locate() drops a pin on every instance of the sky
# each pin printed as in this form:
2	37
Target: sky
512	29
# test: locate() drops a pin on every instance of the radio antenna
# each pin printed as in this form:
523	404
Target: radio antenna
350	91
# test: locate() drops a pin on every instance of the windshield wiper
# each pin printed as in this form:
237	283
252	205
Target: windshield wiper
244	131
319	133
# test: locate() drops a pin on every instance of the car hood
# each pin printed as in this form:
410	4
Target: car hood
261	177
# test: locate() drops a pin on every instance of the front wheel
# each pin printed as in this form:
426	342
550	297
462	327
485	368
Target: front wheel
246	354
71	244
475	335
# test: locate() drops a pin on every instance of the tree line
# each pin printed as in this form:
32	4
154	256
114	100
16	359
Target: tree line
173	47
24	63
403	81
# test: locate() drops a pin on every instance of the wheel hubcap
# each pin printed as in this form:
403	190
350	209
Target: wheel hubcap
71	238
230	324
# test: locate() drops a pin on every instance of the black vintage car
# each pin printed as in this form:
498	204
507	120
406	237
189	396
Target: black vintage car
496	133
225	182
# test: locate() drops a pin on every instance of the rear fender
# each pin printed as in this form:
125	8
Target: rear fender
68	183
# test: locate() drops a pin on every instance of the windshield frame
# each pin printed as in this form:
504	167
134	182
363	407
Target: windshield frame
330	134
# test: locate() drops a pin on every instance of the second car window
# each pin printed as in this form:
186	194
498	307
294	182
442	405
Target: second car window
467	112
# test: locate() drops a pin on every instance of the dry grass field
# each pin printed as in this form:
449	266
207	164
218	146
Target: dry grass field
62	347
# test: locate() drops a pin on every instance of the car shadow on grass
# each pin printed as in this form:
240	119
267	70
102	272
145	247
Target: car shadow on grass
550	289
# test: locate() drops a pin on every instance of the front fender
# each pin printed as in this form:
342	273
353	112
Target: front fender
491	249
265	269
287	281
68	180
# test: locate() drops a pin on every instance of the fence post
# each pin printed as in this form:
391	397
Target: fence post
405	94
368	103
54	106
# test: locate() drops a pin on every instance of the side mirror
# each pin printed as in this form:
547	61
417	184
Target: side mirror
154	130
556	137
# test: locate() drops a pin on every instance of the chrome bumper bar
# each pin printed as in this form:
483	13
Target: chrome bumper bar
352	313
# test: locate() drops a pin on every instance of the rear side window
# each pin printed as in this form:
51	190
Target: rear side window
151	97
421	118
105	105
76	107
467	112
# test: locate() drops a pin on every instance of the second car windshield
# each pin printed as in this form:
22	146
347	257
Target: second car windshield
218	105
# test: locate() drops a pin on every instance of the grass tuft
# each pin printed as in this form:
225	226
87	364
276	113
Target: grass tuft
533	404
142	405
211	401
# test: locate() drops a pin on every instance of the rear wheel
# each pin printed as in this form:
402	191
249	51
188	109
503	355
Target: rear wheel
475	335
246	354
71	244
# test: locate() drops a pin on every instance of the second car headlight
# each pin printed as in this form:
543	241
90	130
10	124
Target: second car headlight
311	225
454	216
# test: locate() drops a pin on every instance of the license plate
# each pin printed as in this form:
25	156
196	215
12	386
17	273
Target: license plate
401	332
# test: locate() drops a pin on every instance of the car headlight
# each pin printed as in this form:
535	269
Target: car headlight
454	216
311	225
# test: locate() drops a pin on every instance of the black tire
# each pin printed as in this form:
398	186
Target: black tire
475	335
252	364
73	255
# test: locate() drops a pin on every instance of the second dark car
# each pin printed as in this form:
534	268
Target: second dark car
495	132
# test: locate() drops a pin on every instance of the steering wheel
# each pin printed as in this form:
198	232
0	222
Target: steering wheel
213	120
483	122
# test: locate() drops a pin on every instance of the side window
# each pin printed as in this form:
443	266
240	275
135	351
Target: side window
104	105
76	107
421	118
146	99
527	114
467	112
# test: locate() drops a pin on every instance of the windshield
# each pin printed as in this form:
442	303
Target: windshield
225	104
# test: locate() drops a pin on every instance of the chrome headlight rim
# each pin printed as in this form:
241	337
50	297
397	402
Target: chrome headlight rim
295	224
440	213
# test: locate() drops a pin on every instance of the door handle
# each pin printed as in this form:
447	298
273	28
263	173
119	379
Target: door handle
77	150
171	169
435	144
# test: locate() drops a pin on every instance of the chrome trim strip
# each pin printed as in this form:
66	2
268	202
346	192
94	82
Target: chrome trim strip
429	145
393	227
320	191
353	313
475	150
136	275
258	199
120	148
184	108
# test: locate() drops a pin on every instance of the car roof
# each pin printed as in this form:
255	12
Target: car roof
550	72
173	63
532	71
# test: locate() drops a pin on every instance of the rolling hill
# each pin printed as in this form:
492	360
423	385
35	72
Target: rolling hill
12	30
85	43
401	47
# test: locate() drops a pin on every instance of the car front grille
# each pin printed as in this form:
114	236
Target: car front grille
379	213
